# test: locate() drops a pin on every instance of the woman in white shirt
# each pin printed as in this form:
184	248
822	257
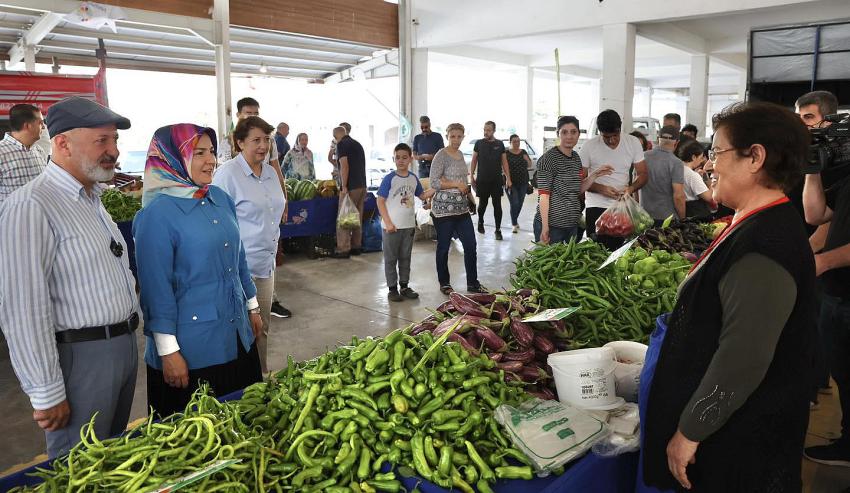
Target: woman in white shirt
698	193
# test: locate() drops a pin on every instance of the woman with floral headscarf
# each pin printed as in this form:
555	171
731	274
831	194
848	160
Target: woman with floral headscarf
298	162
198	299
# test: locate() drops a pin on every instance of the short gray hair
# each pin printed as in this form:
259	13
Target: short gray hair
826	101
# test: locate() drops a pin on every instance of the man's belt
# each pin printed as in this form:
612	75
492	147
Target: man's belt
97	333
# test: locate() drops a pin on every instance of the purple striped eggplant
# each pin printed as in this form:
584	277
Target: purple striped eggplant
492	339
455	337
544	344
467	306
526	355
522	332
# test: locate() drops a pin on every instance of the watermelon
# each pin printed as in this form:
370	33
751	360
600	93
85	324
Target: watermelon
290	188
305	190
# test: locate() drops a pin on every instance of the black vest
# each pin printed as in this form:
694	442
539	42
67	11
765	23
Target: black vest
760	446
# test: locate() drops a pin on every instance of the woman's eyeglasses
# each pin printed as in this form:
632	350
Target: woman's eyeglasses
712	153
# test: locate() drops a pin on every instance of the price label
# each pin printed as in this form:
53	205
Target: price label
552	314
617	254
197	475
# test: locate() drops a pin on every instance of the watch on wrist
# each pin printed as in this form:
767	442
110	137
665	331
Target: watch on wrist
255	311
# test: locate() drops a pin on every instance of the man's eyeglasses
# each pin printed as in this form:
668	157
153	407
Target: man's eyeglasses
712	153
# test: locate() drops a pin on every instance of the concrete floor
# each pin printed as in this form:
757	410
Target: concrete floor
335	299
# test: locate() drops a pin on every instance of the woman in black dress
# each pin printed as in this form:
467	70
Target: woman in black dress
728	405
519	162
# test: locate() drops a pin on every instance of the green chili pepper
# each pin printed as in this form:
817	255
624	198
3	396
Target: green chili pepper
420	463
389	486
430	451
311	473
400	404
398	355
384	401
486	473
363	469
363	350
513	472
445	463
377	359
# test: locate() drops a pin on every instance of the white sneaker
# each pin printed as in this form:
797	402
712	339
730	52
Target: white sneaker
516	229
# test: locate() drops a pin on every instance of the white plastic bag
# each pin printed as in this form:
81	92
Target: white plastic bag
348	216
550	433
624	423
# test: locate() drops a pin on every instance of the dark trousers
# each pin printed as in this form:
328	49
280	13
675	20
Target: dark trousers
223	379
425	169
460	226
591	214
556	235
835	324
485	191
516	197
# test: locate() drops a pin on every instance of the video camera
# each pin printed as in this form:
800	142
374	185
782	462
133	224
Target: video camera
830	147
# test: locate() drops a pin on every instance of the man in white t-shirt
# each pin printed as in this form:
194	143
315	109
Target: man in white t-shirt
620	151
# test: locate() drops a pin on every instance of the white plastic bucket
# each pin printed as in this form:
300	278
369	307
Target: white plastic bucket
630	356
585	378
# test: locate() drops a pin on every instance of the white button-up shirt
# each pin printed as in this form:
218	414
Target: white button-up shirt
57	272
19	165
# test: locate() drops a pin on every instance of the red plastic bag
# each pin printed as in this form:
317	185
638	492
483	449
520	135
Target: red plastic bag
616	221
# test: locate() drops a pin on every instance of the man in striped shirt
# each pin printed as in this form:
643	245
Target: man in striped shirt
68	305
20	159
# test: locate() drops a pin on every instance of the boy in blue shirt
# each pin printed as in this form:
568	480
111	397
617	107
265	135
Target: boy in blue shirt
398	219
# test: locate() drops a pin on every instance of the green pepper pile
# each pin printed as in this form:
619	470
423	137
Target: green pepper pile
661	269
120	206
330	424
155	453
612	307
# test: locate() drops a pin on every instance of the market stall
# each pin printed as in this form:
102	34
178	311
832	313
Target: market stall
454	401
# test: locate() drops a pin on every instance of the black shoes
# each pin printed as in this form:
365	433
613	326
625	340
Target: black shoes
834	454
481	228
409	293
280	311
340	255
395	296
356	251
499	234
476	289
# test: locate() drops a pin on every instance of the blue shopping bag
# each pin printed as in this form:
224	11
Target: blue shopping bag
656	340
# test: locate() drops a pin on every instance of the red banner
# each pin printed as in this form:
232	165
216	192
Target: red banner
43	90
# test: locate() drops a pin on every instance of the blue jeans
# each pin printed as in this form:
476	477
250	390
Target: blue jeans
425	169
556	235
460	226
516	196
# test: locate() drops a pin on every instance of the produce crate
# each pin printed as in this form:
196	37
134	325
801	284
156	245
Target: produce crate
317	246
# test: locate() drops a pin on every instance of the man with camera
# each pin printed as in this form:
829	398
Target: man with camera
832	263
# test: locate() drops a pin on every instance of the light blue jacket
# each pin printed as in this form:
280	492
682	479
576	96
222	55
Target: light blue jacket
193	277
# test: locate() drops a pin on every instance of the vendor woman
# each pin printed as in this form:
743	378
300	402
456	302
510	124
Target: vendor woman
199	303
729	404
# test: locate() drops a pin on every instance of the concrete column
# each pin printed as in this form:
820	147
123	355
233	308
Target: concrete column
29	58
529	104
618	71
419	86
698	101
742	87
405	72
221	38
